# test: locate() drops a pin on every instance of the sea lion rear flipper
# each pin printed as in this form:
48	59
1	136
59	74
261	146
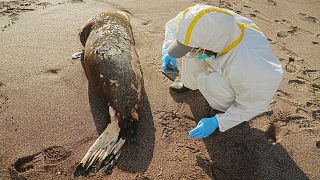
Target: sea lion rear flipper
106	149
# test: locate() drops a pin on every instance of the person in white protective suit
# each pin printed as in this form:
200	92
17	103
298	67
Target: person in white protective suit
228	59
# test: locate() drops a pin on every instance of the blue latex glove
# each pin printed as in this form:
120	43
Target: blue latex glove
167	59
205	127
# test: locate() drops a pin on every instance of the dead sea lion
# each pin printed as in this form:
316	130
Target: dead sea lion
112	68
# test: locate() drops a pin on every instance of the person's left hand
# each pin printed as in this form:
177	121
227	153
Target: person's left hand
205	127
167	59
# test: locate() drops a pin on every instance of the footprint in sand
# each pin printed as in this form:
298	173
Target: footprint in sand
282	34
293	30
53	71
282	21
271	2
281	93
316	39
308	18
256	14
301	83
50	156
252	15
290	66
312	73
298	83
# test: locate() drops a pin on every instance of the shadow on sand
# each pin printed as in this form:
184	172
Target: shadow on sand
241	152
135	156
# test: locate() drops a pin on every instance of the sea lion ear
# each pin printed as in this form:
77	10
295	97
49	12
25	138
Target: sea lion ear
85	31
124	14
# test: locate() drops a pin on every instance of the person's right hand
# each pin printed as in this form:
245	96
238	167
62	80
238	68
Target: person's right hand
205	127
167	59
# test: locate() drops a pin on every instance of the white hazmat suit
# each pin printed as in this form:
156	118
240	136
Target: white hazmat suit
242	80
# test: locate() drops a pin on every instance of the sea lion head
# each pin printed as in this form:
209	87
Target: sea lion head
89	25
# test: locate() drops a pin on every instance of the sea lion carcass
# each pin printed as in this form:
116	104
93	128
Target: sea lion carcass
113	70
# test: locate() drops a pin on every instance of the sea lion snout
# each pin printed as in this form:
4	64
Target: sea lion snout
85	31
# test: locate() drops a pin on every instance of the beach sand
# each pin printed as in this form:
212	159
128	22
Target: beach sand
49	116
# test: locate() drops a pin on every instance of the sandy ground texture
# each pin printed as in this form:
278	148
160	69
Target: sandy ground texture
49	117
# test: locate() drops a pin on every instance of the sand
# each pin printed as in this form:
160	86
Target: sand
49	117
